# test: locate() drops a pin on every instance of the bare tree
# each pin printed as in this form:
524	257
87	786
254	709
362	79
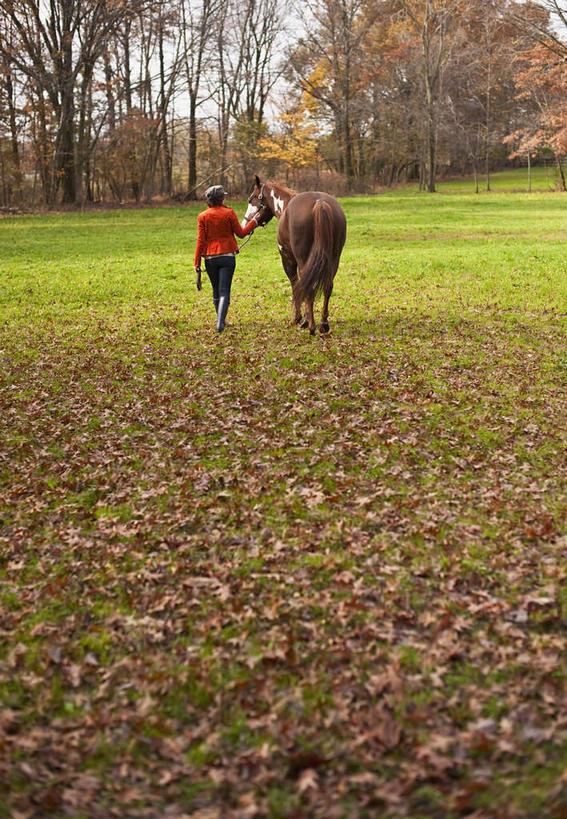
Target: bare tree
244	70
54	45
199	20
11	175
432	22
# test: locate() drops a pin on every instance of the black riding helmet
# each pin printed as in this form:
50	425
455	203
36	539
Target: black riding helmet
215	195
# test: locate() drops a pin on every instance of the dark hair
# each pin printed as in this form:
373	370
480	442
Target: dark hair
215	195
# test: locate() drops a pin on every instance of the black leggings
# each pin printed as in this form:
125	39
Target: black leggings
220	270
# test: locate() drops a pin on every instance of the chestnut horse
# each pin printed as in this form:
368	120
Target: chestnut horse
311	236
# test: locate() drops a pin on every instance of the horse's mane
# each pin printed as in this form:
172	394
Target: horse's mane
279	186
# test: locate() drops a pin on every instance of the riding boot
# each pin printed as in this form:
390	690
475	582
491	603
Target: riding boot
216	305
221	312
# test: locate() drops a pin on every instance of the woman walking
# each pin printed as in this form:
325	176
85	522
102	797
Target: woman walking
216	227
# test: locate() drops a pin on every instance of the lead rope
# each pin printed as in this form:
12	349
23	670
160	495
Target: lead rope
245	242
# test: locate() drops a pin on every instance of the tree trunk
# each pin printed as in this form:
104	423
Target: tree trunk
64	164
561	173
64	159
431	135
127	69
83	135
14	144
110	102
163	140
41	146
192	182
5	195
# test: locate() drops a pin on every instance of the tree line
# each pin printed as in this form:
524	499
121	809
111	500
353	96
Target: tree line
129	99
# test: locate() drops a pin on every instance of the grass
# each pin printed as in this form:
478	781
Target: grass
267	573
543	180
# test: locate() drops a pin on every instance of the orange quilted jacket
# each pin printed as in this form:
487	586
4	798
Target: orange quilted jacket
216	227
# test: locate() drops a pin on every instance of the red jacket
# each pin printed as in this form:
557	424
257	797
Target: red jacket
216	227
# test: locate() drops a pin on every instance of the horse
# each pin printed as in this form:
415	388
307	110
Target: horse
311	235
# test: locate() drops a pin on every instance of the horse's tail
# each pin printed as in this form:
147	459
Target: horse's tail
319	270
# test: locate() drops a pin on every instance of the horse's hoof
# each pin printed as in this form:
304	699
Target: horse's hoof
312	331
324	327
297	320
304	324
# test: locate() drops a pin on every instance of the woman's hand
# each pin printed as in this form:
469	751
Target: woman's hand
197	270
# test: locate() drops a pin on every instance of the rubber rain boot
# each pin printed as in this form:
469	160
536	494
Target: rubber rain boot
221	313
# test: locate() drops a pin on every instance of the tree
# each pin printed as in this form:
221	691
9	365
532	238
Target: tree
243	73
432	21
546	21
56	47
198	24
295	144
327	65
479	84
543	82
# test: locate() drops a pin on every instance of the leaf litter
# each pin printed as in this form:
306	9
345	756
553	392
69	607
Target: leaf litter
265	575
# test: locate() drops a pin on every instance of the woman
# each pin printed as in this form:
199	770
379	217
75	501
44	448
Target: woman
216	227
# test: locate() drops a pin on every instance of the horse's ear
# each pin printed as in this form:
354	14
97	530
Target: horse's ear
257	181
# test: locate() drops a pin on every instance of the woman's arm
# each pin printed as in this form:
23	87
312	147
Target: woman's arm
241	232
201	247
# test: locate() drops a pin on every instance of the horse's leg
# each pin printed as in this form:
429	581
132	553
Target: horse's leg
305	322
310	314
309	317
290	266
324	326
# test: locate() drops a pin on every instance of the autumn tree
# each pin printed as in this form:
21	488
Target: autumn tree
542	81
326	65
546	21
9	142
294	144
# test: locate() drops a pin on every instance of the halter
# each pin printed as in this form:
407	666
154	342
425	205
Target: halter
263	206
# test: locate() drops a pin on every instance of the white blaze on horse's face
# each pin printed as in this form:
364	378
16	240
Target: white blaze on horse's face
250	211
278	204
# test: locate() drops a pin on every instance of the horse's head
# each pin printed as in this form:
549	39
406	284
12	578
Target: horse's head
257	204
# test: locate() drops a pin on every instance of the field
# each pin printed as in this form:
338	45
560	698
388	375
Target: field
268	574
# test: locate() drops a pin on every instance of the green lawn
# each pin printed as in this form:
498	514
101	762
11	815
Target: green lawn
543	179
269	574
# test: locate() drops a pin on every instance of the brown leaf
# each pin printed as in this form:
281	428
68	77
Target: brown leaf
308	780
387	681
16	654
55	654
73	673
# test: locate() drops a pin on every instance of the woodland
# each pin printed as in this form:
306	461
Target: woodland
113	101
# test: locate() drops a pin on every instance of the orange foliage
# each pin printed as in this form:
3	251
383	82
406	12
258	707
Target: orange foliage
543	80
